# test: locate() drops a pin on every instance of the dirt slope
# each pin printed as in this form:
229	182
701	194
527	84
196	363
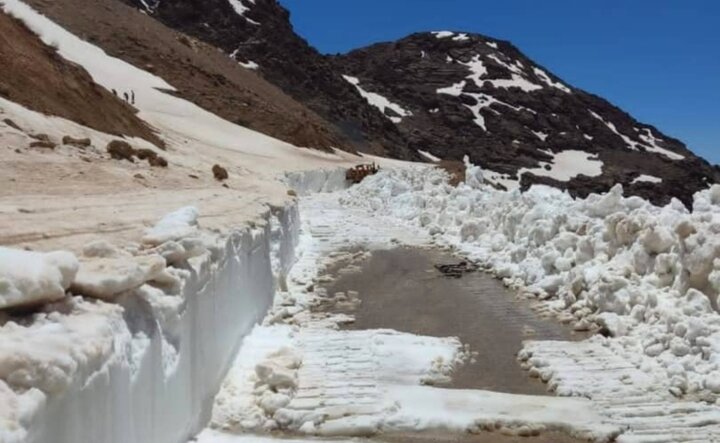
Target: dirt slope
35	76
201	73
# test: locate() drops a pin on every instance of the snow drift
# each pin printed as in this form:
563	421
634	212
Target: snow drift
140	356
649	276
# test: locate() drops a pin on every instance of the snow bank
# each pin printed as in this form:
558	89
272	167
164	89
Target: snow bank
649	275
144	368
32	277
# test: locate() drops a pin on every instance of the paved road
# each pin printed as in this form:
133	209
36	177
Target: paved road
400	289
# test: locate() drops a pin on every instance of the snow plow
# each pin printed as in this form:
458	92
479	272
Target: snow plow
357	173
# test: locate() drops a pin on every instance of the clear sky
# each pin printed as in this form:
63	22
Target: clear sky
659	60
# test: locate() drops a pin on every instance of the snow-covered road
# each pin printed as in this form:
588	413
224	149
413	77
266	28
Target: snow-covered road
298	373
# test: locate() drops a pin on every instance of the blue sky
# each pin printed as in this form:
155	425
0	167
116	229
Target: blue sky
659	60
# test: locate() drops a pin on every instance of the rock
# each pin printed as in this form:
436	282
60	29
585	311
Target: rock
220	173
12	124
77	142
158	162
291	193
43	144
121	150
145	154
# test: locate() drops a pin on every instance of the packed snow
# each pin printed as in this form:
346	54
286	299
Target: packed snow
379	101
28	277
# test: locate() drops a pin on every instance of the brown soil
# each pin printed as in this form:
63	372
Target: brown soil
35	76
200	72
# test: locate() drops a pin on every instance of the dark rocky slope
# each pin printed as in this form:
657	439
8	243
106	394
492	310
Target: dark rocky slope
469	94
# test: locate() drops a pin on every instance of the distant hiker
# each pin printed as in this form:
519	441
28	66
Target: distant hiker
114	92
125	94
132	97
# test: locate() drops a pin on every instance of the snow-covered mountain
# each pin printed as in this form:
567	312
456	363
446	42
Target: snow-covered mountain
449	94
469	94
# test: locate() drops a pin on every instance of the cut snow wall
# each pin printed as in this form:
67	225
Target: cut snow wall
159	384
319	180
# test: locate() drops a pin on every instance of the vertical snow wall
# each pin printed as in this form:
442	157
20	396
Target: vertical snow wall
160	383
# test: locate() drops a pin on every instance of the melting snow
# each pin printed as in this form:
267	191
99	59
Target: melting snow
241	9
541	135
429	156
548	81
647	179
249	65
492	44
567	165
443	34
379	101
650	141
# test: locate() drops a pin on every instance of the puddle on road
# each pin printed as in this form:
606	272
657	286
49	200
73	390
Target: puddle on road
401	289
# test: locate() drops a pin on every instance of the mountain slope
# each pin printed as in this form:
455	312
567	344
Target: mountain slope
446	95
258	34
198	71
468	94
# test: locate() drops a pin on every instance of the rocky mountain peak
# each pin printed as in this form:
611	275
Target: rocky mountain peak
468	94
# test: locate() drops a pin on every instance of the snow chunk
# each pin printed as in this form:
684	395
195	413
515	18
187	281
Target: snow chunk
107	278
379	101
176	225
33	277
